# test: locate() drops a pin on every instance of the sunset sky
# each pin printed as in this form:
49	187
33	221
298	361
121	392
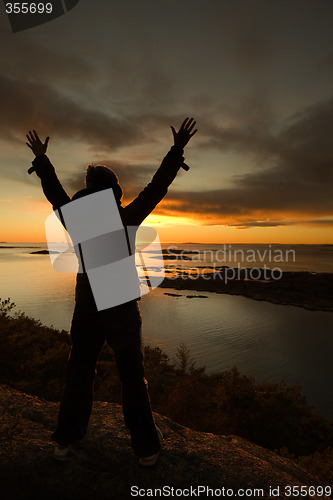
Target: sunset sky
106	81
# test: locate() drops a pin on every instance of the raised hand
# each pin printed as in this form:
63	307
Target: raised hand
185	133
35	144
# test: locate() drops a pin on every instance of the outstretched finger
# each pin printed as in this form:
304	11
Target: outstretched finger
36	136
191	135
191	127
31	137
188	124
183	124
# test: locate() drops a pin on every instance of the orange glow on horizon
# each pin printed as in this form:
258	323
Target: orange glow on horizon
175	230
25	222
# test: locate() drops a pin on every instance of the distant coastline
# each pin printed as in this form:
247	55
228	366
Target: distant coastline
8	246
309	284
3	244
43	252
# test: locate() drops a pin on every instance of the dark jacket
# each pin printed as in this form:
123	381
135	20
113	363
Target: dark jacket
132	215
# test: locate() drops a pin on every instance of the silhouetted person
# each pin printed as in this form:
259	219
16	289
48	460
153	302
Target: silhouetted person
120	326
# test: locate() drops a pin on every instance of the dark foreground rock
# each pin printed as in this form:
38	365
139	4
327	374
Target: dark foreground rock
103	466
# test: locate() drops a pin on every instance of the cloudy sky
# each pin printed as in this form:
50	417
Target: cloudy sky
106	81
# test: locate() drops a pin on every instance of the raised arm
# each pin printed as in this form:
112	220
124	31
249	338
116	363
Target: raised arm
147	200
51	185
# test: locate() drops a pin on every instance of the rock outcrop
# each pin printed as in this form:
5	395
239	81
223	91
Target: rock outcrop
302	289
103	467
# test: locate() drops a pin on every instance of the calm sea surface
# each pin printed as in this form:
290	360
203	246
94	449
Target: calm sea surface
267	341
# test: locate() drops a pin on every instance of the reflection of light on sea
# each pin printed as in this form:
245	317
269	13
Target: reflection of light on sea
268	341
260	338
33	285
66	262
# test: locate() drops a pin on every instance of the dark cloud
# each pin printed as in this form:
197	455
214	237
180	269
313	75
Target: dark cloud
299	180
132	178
75	181
297	177
30	60
118	88
252	49
326	63
245	125
252	44
39	106
249	224
258	223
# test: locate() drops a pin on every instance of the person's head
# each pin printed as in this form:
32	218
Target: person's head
100	177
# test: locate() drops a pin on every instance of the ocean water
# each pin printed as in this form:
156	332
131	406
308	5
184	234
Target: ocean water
310	258
267	341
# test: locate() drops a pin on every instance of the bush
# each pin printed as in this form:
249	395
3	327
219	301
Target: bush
274	415
32	356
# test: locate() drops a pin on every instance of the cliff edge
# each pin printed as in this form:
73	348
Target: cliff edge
103	466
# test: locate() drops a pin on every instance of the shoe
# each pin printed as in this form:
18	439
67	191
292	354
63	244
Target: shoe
61	453
149	461
152	459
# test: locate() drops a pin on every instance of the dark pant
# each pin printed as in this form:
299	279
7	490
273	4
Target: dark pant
121	328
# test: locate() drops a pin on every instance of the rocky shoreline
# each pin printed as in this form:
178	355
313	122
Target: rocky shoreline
302	289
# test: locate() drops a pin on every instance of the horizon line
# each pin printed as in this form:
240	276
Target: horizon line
193	243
